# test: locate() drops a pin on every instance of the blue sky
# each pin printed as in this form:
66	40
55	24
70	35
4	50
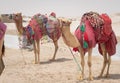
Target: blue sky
64	8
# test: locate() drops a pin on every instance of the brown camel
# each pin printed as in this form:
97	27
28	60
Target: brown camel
54	34
2	47
92	30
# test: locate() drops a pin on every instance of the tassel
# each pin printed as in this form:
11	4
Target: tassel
85	44
82	28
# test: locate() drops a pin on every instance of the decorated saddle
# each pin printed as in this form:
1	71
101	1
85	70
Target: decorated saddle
53	27
2	29
101	29
2	33
41	25
35	29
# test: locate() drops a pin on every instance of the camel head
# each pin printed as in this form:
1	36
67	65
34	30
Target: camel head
68	38
65	24
17	17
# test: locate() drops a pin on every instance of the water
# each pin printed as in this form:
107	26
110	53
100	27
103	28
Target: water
11	41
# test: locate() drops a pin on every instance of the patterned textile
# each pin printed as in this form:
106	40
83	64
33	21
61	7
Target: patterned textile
30	34
53	28
37	23
110	44
2	29
107	36
107	27
41	25
87	35
101	25
51	24
94	18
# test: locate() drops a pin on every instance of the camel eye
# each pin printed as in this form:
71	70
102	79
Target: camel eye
63	22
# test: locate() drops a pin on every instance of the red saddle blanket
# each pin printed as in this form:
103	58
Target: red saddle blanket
2	29
106	35
107	28
88	36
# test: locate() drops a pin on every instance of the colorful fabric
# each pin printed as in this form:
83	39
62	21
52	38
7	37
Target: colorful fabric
53	14
41	25
55	35
103	32
37	23
53	28
88	35
110	44
51	24
101	29
94	18
107	27
2	29
30	34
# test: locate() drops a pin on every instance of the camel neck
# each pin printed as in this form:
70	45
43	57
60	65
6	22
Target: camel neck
19	27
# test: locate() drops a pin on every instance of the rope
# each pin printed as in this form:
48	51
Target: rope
23	56
22	52
75	60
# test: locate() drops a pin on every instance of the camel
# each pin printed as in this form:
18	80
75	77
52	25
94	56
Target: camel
2	47
40	30
93	29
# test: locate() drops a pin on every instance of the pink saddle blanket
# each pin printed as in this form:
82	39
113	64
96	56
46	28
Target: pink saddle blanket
2	29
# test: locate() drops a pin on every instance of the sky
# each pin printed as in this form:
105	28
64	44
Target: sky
64	8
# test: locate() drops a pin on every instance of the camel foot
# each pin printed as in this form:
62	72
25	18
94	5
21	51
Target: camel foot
107	76
53	59
90	78
100	76
80	77
35	62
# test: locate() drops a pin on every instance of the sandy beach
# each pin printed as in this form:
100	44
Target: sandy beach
62	70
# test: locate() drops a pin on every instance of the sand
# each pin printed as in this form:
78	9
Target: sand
62	70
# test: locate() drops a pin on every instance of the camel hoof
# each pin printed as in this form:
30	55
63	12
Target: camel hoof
80	78
35	62
107	76
100	76
90	78
52	59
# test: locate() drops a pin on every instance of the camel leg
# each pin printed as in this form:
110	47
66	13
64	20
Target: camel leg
89	63
1	45
109	62
56	49
2	66
35	50
81	77
105	59
38	51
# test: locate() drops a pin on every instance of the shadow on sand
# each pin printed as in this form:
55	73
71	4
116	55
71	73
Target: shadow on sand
112	76
56	60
